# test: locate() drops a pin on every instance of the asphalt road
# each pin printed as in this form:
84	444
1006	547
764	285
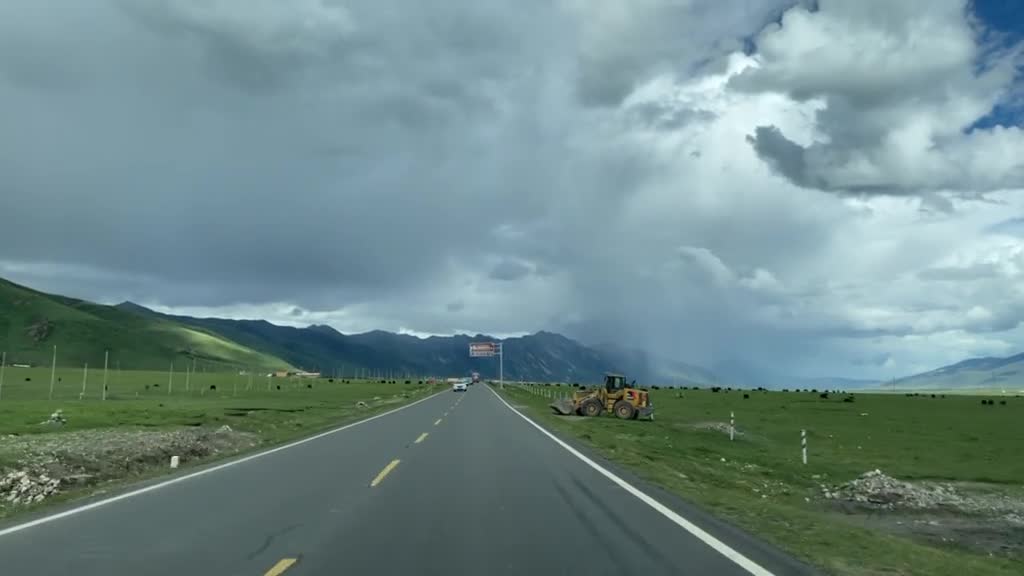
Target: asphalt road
455	484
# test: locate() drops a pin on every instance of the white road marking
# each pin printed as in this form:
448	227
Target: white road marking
126	495
721	547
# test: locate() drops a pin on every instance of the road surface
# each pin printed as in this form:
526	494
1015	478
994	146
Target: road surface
455	484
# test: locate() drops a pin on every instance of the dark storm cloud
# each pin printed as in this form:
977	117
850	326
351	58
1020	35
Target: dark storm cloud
509	270
198	155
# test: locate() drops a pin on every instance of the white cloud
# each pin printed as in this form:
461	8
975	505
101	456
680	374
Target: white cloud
901	82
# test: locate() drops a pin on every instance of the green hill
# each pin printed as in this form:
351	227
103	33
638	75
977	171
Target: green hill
32	322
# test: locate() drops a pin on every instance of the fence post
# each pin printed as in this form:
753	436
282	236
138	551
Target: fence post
106	365
803	444
53	371
85	380
732	426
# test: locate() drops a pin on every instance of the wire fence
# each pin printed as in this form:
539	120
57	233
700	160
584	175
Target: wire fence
106	379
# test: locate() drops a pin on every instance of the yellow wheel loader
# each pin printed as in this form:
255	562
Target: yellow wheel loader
616	396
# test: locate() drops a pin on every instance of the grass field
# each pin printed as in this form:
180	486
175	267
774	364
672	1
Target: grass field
271	410
152	399
759	482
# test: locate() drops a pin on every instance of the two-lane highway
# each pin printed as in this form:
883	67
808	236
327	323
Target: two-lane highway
457	483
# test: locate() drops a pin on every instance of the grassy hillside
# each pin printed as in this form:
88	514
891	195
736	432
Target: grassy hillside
32	322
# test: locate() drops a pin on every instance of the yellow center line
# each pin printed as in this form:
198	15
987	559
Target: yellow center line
421	438
387	470
438	421
279	568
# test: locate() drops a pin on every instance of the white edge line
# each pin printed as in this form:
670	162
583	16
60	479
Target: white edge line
716	544
203	472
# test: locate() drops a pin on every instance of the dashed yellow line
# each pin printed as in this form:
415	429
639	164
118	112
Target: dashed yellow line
438	421
282	565
387	470
421	438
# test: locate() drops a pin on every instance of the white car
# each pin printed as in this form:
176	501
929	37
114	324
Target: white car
460	386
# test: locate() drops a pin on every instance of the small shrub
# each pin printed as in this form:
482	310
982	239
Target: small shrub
746	396
823	395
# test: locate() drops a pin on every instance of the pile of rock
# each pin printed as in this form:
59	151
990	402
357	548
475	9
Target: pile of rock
44	464
879	490
722	427
22	487
55	419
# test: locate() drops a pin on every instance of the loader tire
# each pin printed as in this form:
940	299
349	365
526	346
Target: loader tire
591	408
624	410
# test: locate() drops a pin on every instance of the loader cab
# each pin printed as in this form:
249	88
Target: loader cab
614	382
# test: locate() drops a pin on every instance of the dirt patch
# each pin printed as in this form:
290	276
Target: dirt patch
980	517
40	330
47	464
722	427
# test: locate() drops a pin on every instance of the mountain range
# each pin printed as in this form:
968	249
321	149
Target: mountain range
987	372
32	323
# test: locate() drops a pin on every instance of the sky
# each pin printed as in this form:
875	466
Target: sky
816	187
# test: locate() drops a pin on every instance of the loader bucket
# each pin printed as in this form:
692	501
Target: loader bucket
564	406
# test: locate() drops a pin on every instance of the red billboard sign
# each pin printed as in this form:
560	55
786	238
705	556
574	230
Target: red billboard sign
482	349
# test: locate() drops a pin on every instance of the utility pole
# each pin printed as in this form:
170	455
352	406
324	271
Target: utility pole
3	366
170	378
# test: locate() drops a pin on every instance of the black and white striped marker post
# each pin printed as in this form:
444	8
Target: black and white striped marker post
803	444
732	425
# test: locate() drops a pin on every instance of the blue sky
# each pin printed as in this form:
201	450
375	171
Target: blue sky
1005	20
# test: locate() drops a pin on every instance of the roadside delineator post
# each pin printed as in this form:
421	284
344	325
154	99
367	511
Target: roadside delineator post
732	426
174	462
803	444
